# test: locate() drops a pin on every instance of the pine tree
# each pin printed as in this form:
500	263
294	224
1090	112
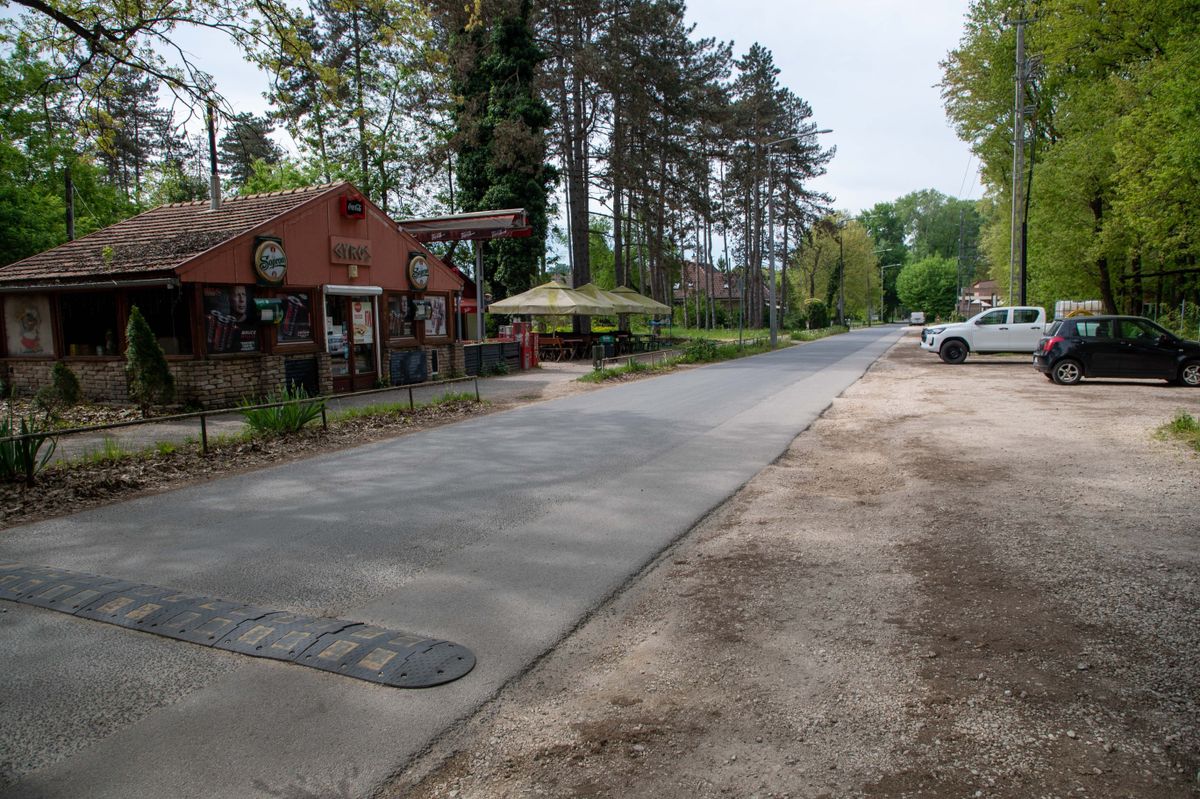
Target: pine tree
150	380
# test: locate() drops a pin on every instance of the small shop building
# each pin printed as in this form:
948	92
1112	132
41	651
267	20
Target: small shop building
316	287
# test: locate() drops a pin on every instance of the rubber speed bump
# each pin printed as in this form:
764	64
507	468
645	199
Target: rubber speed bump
349	648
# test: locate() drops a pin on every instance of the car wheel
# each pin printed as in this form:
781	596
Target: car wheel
1067	372
953	352
1189	375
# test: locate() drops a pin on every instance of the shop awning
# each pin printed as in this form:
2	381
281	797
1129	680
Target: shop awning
509	223
353	291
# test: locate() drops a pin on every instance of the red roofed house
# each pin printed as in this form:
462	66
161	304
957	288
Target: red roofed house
315	286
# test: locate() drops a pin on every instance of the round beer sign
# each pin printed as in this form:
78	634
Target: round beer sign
418	272
270	262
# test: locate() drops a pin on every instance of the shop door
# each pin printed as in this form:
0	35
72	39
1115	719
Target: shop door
350	338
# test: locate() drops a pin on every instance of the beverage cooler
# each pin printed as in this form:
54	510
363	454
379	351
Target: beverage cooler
523	333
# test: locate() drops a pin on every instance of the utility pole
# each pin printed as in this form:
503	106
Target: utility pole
1016	240
959	269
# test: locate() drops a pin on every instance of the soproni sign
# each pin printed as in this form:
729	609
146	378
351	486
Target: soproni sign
270	261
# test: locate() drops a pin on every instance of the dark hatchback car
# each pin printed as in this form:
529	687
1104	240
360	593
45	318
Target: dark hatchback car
1116	346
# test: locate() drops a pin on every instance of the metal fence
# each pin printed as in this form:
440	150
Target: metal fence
204	416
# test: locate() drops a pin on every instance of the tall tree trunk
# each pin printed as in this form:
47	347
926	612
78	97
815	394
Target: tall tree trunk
360	105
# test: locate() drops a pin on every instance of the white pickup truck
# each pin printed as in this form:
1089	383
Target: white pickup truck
1015	329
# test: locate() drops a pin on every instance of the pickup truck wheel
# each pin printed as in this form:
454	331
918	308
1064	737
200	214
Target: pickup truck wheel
953	352
1189	375
1067	372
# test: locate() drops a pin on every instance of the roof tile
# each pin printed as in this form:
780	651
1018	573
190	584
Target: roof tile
158	240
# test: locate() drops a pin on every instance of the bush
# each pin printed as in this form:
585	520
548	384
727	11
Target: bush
65	384
699	350
298	411
150	380
23	459
817	314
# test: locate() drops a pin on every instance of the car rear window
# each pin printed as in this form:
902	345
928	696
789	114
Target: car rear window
1024	316
1088	329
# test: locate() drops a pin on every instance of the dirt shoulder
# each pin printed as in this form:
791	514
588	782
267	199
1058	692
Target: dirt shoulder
961	581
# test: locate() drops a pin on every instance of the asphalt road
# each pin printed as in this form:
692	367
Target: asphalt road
499	533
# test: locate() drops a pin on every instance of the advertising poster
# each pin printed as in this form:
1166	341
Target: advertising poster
27	325
362	317
296	324
230	323
436	324
398	324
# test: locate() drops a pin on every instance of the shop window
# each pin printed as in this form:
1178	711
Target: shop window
435	325
399	317
230	319
296	324
169	314
89	323
27	327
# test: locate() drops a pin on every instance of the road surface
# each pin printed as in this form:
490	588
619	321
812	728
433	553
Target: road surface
500	533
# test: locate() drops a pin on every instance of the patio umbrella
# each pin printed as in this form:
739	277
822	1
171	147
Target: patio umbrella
619	303
649	306
551	299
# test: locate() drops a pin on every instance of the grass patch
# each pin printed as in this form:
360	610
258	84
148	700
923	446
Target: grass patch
386	409
699	350
821	332
1184	427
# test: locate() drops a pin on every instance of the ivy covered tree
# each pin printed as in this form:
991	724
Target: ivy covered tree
500	121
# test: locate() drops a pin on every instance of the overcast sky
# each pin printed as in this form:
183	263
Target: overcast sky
868	68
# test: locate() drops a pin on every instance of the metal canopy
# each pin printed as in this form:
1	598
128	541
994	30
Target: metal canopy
509	223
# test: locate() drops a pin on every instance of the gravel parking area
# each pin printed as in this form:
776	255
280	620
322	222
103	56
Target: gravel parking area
962	581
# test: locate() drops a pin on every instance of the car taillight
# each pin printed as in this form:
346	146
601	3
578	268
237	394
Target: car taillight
1048	344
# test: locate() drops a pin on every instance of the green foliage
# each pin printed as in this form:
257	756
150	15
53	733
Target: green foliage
23	459
65	383
1184	427
929	285
245	145
824	332
817	313
1114	146
150	379
501	119
699	350
294	411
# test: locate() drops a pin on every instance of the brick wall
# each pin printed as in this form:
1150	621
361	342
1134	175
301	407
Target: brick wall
211	383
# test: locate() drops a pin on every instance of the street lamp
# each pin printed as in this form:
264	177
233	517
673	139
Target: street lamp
881	284
774	322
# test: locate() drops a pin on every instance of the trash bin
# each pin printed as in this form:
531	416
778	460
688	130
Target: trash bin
610	345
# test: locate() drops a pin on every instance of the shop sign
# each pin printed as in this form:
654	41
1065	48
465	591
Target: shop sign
418	271
349	251
270	261
354	207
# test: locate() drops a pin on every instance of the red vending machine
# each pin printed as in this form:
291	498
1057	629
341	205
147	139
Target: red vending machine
523	333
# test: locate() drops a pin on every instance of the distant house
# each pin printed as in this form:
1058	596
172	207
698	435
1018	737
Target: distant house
315	286
706	280
979	297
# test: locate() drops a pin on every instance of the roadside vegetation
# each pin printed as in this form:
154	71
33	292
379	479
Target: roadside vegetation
709	348
1184	427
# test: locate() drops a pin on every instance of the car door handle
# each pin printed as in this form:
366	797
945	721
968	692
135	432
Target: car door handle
1004	328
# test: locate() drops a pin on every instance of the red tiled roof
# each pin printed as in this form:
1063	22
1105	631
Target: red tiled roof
159	240
700	276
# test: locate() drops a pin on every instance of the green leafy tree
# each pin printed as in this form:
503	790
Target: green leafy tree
929	285
150	379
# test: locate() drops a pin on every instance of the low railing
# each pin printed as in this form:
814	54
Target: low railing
203	416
